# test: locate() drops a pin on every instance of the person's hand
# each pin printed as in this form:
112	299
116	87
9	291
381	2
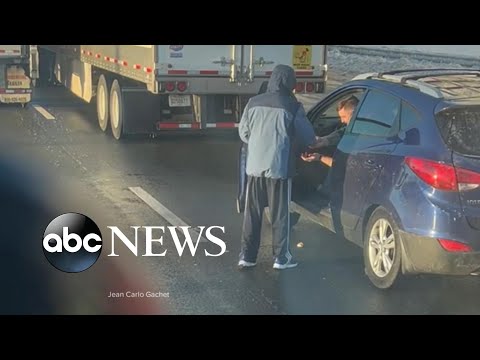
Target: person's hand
310	157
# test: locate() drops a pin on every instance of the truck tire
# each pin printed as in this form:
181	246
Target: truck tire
382	250
102	103
116	110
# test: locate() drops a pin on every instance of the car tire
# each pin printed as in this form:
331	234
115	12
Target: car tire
382	250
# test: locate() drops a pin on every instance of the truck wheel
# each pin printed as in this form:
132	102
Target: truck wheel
102	103
382	250
116	110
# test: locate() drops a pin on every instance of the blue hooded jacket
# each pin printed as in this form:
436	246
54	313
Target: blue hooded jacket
272	125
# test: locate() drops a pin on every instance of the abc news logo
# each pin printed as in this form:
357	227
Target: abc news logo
72	242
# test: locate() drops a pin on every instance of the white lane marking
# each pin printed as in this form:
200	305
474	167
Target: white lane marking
44	112
171	218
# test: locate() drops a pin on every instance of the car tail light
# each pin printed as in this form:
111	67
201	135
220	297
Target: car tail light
467	180
442	176
310	87
437	175
300	87
181	86
454	246
170	86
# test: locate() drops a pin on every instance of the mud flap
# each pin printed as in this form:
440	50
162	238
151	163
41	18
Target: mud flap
141	111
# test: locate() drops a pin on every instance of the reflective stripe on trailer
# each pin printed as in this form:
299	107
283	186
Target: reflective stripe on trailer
148	69
297	73
194	72
222	125
117	61
195	126
173	126
3	51
15	91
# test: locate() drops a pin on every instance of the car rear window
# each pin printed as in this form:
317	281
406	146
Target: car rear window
460	129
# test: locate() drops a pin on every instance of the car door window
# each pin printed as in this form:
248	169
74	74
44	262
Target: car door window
378	115
410	118
325	117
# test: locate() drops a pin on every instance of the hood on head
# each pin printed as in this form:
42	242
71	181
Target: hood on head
283	79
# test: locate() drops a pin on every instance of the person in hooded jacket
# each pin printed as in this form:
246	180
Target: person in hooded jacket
274	126
242	185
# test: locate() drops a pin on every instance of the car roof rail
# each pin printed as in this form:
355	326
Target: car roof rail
412	77
417	70
423	87
365	76
419	85
445	71
440	73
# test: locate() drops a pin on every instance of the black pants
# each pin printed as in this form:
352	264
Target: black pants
276	194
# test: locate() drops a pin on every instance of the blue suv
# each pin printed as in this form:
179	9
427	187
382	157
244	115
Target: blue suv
405	178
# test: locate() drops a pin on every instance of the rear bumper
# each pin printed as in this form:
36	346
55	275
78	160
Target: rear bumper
423	255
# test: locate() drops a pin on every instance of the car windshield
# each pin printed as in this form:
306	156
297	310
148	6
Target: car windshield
460	129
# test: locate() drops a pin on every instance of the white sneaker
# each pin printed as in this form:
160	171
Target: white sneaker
245	264
288	265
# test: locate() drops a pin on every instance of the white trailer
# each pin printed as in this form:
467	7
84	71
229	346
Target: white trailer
18	73
152	88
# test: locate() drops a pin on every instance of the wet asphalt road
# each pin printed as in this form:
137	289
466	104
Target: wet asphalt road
195	178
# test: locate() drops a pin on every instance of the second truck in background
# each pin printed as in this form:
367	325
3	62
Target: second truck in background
18	73
145	89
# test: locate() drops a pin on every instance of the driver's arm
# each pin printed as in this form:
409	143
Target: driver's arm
332	139
304	132
321	141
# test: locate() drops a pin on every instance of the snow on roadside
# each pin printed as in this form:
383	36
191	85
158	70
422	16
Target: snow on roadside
344	65
471	51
